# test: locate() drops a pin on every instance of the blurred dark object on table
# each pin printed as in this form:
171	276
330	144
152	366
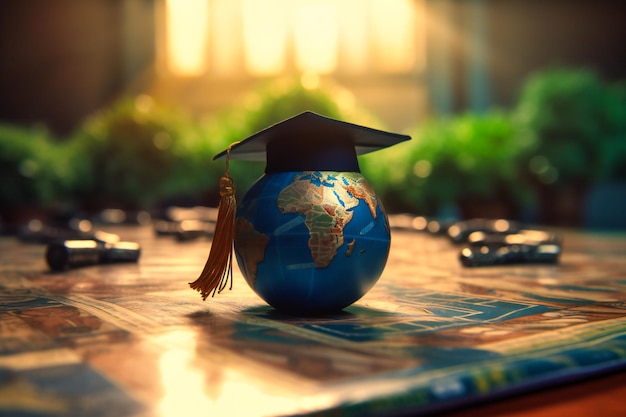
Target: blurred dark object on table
500	241
186	223
488	241
519	253
76	253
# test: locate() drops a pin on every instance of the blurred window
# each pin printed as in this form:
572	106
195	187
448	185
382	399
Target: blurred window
256	38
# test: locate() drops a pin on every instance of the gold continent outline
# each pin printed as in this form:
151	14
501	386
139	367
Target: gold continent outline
325	217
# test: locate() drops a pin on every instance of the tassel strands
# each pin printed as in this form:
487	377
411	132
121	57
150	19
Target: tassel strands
218	270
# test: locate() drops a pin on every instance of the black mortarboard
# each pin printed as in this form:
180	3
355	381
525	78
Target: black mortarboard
311	142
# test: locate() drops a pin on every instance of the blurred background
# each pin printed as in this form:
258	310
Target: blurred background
517	109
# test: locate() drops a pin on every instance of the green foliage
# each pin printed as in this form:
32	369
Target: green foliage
576	124
33	169
136	153
614	149
449	161
568	126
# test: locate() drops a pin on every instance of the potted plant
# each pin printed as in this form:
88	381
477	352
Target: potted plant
573	121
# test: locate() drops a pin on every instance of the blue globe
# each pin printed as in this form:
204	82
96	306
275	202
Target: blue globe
311	242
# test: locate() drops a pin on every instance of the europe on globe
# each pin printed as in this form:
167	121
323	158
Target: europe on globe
311	242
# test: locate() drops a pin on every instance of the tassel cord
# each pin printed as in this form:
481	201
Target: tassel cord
218	270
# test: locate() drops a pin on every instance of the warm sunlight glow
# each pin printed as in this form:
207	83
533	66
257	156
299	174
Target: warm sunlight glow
393	31
194	385
186	34
353	36
226	37
315	31
237	38
183	384
265	35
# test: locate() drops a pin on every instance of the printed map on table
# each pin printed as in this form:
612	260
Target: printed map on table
98	341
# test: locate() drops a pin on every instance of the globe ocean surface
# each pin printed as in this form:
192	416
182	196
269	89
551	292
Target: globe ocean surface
313	241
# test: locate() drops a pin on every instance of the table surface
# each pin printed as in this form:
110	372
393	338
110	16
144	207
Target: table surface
430	337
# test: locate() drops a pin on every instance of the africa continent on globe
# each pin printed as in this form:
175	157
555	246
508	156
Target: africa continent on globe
311	241
327	208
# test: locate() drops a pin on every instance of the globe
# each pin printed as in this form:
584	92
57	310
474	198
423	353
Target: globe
311	242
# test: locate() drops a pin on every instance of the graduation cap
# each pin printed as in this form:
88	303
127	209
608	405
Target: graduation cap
311	142
305	142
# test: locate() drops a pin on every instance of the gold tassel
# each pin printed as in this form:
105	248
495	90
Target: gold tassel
218	270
